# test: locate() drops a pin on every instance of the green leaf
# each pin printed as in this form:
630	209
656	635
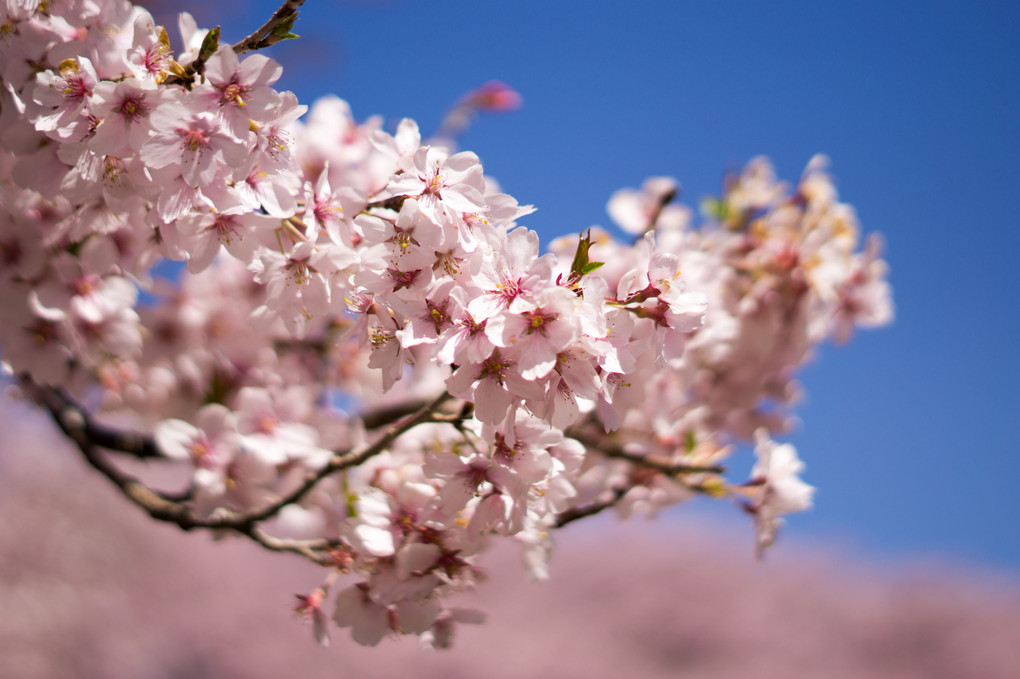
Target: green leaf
210	44
581	254
581	265
282	29
718	209
689	441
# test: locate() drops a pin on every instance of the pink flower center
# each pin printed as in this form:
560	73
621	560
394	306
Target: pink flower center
266	424
438	313
475	475
201	452
113	170
537	321
504	450
225	226
403	279
85	285
325	210
75	88
434	184
495	367
508	290
234	93
156	59
473	327
299	271
132	109
193	140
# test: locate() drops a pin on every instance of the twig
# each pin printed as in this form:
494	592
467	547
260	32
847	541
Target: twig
310	549
571	515
266	36
659	463
338	462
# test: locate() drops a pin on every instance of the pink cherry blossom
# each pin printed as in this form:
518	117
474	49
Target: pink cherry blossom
780	490
365	359
193	141
445	186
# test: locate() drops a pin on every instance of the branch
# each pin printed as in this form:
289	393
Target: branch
341	461
659	463
576	513
75	425
144	446
165	510
310	549
383	415
89	437
78	426
273	31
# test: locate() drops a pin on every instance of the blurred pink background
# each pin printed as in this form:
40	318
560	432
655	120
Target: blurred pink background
91	588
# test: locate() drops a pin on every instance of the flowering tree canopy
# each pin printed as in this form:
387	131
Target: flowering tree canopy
366	360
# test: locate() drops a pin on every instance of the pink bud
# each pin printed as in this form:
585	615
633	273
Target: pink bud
495	96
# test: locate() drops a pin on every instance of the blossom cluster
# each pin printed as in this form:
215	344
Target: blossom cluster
366	350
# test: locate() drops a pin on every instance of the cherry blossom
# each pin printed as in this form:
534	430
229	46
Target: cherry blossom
195	142
366	357
780	490
444	185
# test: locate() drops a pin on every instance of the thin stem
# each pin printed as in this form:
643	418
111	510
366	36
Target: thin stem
310	549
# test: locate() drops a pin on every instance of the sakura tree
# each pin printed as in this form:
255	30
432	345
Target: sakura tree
366	360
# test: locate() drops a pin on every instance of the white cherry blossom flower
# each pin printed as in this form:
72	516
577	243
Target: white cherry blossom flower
195	142
445	186
780	489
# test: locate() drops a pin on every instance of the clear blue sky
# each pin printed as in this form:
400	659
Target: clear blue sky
911	432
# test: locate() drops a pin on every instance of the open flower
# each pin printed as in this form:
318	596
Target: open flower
780	490
195	142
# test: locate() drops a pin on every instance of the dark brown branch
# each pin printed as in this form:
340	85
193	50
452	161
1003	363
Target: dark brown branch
384	415
76	425
584	511
271	32
605	446
83	428
343	461
90	437
144	446
73	422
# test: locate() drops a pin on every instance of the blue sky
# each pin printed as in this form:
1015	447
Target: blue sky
910	432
